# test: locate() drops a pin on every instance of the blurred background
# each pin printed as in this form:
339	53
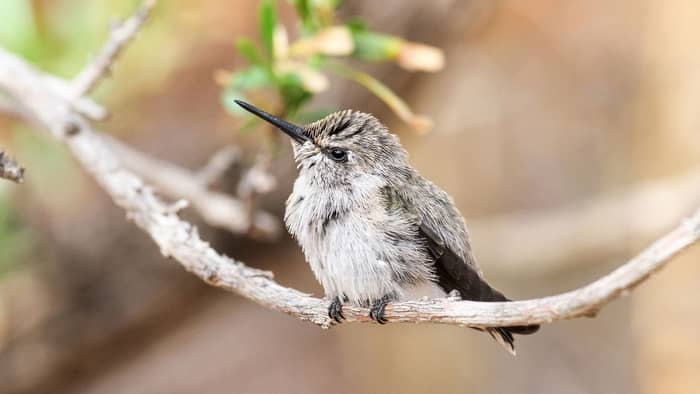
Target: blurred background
555	126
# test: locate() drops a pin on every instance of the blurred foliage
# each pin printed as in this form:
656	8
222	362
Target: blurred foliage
14	239
47	34
53	181
18	30
295	71
60	36
53	178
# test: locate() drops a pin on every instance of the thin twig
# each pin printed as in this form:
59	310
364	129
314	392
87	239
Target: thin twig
83	105
255	182
180	240
60	87
10	169
217	165
217	209
120	36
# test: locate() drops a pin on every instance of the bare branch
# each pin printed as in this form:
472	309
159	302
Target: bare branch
180	240
217	165
217	209
10	169
254	183
83	105
120	36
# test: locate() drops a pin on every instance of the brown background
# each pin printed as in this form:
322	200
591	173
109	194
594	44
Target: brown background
542	104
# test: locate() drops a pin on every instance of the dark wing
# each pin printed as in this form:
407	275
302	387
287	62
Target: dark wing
455	274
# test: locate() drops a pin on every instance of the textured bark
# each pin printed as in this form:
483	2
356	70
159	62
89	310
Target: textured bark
10	169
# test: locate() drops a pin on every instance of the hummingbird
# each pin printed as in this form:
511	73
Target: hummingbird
371	227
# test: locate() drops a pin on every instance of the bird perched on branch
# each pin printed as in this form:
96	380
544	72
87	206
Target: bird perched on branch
371	227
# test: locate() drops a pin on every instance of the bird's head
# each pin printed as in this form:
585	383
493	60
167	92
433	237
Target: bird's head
342	147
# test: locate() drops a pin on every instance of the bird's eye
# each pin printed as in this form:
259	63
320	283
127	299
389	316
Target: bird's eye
338	155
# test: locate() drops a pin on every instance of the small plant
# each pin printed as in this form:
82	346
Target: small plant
284	75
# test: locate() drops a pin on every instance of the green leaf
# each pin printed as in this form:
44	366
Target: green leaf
303	8
248	50
317	61
309	18
254	77
268	22
375	47
251	78
357	24
292	90
315	14
228	100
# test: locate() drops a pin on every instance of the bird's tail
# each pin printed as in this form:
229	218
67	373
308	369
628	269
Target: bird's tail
503	335
453	274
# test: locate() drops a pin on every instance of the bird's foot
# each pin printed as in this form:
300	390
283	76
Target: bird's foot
376	311
335	310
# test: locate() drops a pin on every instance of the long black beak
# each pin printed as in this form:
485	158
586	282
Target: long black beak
297	133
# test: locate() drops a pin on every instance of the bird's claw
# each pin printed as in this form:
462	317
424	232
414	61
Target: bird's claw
376	312
335	310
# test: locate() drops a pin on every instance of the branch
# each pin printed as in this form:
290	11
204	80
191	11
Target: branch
180	240
217	165
83	105
10	169
120	36
217	209
255	182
